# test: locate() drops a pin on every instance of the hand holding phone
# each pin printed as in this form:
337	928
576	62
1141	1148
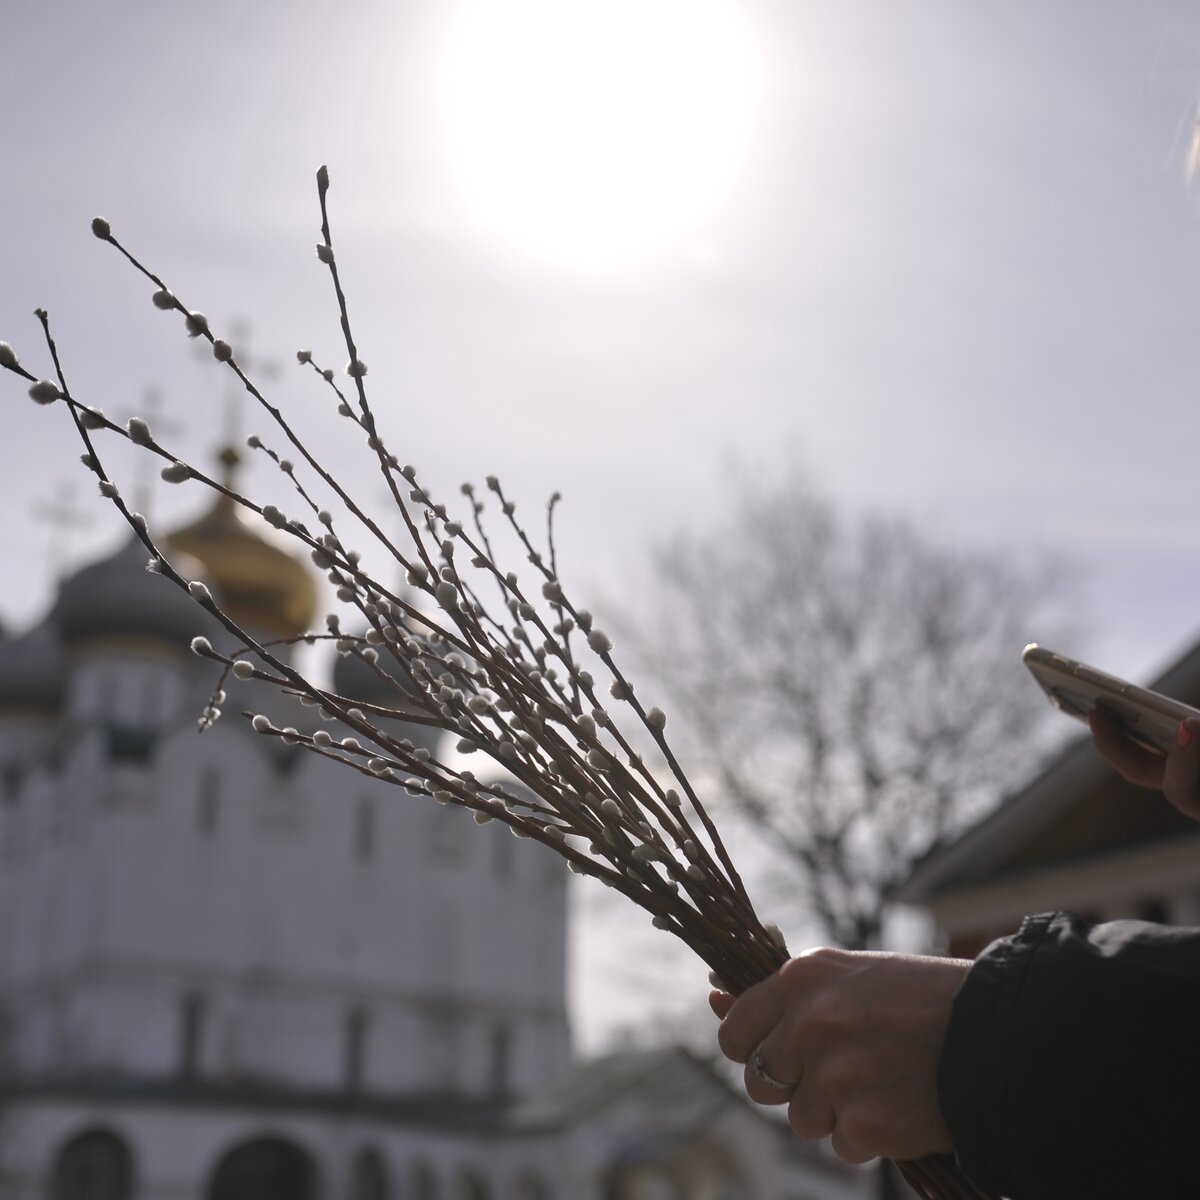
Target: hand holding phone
1148	718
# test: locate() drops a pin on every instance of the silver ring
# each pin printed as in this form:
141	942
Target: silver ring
759	1067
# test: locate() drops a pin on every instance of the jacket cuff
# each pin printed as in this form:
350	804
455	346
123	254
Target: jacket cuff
974	1070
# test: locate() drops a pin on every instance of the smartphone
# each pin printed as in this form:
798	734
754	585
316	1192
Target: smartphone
1147	717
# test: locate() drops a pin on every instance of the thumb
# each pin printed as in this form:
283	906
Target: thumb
720	1003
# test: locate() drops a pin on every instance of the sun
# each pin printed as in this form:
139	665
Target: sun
596	134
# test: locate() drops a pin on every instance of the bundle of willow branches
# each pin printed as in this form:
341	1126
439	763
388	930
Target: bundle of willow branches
529	682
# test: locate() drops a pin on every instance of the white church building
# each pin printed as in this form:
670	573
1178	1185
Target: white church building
231	971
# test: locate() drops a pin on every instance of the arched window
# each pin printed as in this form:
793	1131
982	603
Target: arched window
354	1048
640	1181
192	1011
500	1058
422	1182
96	1165
531	1186
266	1168
503	844
471	1186
208	800
447	834
368	1176
364	830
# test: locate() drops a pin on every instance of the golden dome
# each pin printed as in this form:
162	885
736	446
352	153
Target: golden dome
263	588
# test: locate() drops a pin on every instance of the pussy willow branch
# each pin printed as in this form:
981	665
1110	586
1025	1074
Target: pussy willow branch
581	787
358	374
608	806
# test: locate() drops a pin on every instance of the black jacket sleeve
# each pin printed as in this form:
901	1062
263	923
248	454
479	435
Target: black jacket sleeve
1071	1066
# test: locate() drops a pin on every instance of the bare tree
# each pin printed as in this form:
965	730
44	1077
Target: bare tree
852	689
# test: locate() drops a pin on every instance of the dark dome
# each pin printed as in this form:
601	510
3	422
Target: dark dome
32	671
355	680
118	597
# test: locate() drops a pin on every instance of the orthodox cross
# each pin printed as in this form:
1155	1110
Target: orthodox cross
64	519
146	464
253	367
229	458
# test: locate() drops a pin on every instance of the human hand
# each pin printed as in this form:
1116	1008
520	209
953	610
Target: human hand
1177	775
853	1039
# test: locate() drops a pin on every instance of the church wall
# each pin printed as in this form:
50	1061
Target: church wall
147	873
286	1036
133	894
131	1023
176	1150
130	683
25	738
119	1022
87	1023
396	1045
51	876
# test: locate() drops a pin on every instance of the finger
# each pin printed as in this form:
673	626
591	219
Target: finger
1181	776
846	1148
720	1003
809	1114
771	1072
751	1017
1131	761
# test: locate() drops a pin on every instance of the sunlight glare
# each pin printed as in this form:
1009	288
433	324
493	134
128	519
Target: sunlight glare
597	134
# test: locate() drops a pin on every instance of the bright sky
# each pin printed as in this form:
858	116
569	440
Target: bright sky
944	253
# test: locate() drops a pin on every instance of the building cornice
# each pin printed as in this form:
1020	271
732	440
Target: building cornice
1105	882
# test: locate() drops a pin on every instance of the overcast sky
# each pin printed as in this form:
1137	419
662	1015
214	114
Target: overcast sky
943	256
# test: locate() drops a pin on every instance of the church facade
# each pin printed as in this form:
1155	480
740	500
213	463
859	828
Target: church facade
230	970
